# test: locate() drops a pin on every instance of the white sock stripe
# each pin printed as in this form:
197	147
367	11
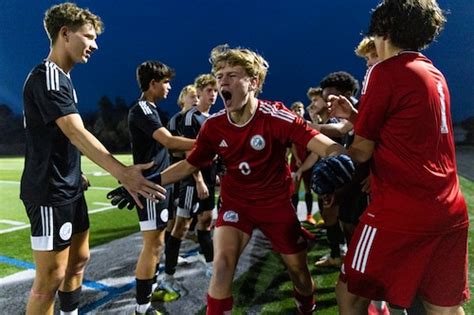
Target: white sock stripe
357	252
367	251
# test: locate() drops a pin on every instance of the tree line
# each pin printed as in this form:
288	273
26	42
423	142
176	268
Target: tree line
109	124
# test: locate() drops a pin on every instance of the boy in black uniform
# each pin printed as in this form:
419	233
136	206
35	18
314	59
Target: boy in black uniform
150	140
196	197
51	184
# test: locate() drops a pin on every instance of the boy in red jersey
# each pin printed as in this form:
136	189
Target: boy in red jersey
404	124
250	136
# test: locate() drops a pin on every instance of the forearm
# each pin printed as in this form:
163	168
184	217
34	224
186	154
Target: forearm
324	146
176	172
180	143
309	162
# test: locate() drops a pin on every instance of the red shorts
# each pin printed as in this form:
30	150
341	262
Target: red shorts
277	222
396	267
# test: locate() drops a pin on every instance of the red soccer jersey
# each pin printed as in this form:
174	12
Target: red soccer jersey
254	154
405	110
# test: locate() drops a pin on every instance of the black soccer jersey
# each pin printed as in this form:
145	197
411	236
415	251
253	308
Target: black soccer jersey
192	123
143	121
52	172
175	127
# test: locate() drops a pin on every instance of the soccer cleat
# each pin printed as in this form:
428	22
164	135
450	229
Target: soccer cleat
329	262
209	269
161	295
170	285
149	311
310	220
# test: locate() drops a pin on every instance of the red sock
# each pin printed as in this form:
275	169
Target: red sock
219	306
304	304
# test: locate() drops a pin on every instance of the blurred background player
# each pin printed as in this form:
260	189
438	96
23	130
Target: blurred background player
149	141
298	156
196	192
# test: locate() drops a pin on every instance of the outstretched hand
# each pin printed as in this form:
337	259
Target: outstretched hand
339	106
134	182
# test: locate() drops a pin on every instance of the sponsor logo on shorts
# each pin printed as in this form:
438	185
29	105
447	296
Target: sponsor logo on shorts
164	215
257	142
65	231
231	216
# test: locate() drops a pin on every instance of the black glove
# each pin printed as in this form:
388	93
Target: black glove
331	173
121	198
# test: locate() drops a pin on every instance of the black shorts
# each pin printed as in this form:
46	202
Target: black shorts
53	226
155	215
190	205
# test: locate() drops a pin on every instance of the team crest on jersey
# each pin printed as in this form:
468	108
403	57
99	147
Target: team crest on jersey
164	215
231	216
257	142
65	231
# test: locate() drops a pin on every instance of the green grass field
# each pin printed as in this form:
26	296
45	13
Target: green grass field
265	284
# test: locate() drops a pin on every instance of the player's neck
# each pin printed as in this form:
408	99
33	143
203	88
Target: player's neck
203	107
245	113
61	59
388	50
149	98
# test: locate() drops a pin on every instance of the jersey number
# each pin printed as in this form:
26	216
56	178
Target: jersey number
244	168
442	100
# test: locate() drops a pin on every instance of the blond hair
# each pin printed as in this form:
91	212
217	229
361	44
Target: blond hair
314	91
204	80
185	92
253	64
70	15
296	105
366	46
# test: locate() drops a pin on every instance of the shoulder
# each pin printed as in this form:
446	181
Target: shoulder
276	110
188	116
142	107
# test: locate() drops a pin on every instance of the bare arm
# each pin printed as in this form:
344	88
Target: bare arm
334	130
177	172
324	146
361	149
308	162
131	177
163	136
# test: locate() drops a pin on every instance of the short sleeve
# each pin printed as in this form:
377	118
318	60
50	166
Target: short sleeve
52	101
146	120
374	104
203	151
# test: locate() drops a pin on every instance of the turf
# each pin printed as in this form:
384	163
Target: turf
265	288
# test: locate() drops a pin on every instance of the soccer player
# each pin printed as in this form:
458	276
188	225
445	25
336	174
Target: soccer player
150	140
412	239
251	136
51	184
366	49
196	195
298	156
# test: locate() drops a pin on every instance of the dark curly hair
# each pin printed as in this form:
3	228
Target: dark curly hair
342	81
409	24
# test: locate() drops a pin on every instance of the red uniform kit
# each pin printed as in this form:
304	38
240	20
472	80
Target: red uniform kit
417	212
257	186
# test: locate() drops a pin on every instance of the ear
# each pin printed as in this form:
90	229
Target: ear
253	83
64	33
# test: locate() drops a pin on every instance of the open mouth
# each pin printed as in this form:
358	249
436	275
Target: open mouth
226	95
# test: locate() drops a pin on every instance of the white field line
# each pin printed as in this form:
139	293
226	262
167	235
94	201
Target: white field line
18	183
11	222
25	226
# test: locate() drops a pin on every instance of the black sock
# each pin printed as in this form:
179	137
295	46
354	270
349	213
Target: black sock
167	236
294	201
308	198
69	301
143	288
204	239
172	253
334	235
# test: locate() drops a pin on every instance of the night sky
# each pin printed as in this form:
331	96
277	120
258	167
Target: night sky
302	40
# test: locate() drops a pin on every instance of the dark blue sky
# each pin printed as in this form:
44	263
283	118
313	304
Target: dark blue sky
302	40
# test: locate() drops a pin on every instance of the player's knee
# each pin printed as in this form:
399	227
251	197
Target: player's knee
442	310
79	267
48	282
